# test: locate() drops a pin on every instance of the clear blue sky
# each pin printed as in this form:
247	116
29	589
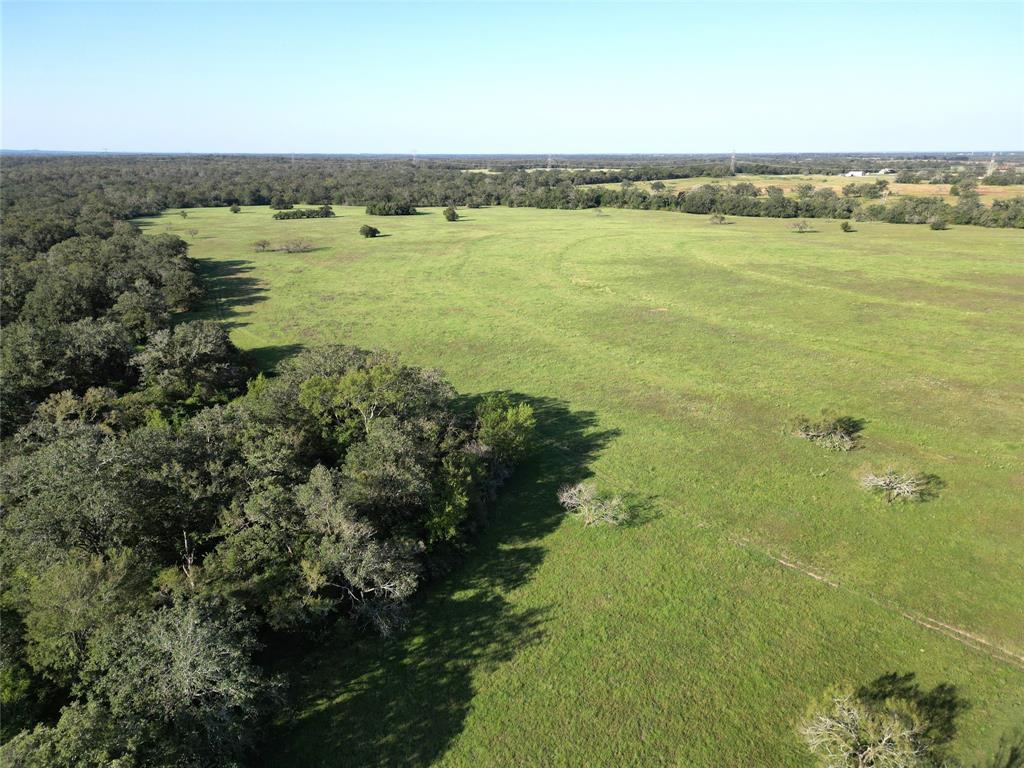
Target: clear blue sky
544	78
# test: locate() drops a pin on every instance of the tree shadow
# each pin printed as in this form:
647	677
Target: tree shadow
643	509
932	486
939	707
365	701
229	288
1010	753
268	358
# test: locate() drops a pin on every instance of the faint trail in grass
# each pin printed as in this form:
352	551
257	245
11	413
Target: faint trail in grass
968	639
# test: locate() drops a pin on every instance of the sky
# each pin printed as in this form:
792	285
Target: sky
512	78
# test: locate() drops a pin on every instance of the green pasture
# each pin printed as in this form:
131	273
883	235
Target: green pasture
664	356
788	183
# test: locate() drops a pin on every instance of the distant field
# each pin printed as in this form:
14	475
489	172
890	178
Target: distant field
789	183
664	356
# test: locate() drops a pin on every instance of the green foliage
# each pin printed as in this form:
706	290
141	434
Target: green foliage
506	428
390	208
323	212
367	231
193	359
67	602
450	214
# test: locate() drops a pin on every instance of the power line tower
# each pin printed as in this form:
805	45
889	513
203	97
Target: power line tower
992	167
732	164
549	162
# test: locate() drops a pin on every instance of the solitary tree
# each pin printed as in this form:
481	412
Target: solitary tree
183	214
261	245
846	226
236	208
451	214
193	232
367	231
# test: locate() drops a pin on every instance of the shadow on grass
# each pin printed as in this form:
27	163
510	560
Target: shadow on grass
230	289
268	358
939	707
360	700
1010	753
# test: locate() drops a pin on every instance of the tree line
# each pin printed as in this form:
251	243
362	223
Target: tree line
171	516
95	191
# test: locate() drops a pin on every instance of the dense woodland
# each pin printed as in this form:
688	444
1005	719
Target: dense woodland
171	516
98	189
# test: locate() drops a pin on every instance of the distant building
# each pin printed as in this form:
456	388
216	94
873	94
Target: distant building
855	173
887	170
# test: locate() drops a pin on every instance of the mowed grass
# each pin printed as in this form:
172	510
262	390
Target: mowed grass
665	355
788	183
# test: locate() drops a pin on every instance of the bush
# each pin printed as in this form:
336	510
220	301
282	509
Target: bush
800	227
847	732
261	245
235	208
937	223
716	218
506	429
836	433
846	226
909	485
296	246
323	212
390	208
367	231
451	214
584	501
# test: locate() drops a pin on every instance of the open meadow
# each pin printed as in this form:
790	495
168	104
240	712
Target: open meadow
665	357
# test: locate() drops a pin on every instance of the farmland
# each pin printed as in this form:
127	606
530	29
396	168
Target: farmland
664	357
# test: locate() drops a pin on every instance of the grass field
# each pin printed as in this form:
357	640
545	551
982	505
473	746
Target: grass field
788	184
664	356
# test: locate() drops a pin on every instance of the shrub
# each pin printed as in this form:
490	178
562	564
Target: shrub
507	429
451	214
367	231
937	223
846	226
836	433
390	208
235	208
261	245
323	212
296	246
909	486
278	203
716	218
847	732
800	227
584	501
